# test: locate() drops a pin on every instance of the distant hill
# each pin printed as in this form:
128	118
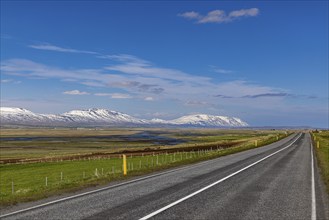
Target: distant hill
104	117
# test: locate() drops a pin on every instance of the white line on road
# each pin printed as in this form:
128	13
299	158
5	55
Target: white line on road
213	184
105	188
313	186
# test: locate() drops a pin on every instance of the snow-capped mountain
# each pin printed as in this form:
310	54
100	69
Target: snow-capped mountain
209	121
104	117
95	115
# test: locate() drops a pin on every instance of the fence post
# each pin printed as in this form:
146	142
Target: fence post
124	160
12	187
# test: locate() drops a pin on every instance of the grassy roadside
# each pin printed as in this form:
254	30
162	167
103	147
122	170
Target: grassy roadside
322	154
28	182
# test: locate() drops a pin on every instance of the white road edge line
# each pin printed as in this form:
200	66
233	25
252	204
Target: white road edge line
105	188
313	186
213	184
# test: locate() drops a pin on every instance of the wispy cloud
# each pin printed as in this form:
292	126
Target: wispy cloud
10	81
75	92
149	98
140	78
6	80
220	70
269	95
120	96
197	103
46	46
115	95
278	94
219	16
126	58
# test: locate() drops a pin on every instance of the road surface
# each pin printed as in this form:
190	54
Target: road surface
278	181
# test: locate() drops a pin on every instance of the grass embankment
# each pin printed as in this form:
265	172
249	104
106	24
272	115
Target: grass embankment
27	182
322	154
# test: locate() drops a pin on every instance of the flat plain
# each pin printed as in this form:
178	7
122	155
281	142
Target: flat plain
37	163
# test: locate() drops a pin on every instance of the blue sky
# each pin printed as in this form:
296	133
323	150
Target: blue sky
263	61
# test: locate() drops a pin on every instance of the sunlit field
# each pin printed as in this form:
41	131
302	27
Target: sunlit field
36	163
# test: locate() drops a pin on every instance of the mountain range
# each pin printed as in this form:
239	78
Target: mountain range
103	117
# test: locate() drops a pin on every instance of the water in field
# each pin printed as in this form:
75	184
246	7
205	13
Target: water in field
145	136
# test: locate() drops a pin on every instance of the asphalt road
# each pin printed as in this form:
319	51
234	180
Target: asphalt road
279	181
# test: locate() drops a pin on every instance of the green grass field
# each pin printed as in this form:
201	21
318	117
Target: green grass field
31	181
322	154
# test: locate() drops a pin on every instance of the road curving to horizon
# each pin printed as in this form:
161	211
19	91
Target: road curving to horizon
277	181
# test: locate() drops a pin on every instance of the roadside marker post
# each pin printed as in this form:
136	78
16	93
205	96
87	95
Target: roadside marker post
318	144
124	160
256	143
277	138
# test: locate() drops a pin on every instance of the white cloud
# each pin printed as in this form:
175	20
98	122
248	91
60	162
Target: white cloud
75	92
149	98
120	96
190	15
115	95
220	70
149	81
10	81
103	94
6	80
46	46
244	13
196	103
219	16
126	58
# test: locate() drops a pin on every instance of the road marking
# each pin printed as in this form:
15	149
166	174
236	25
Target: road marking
313	186
213	184
106	188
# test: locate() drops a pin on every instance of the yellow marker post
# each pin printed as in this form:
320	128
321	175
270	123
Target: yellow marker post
124	160
318	144
255	143
277	138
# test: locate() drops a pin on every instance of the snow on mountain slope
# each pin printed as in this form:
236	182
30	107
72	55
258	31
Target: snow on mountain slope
24	116
104	117
209	121
18	114
101	115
